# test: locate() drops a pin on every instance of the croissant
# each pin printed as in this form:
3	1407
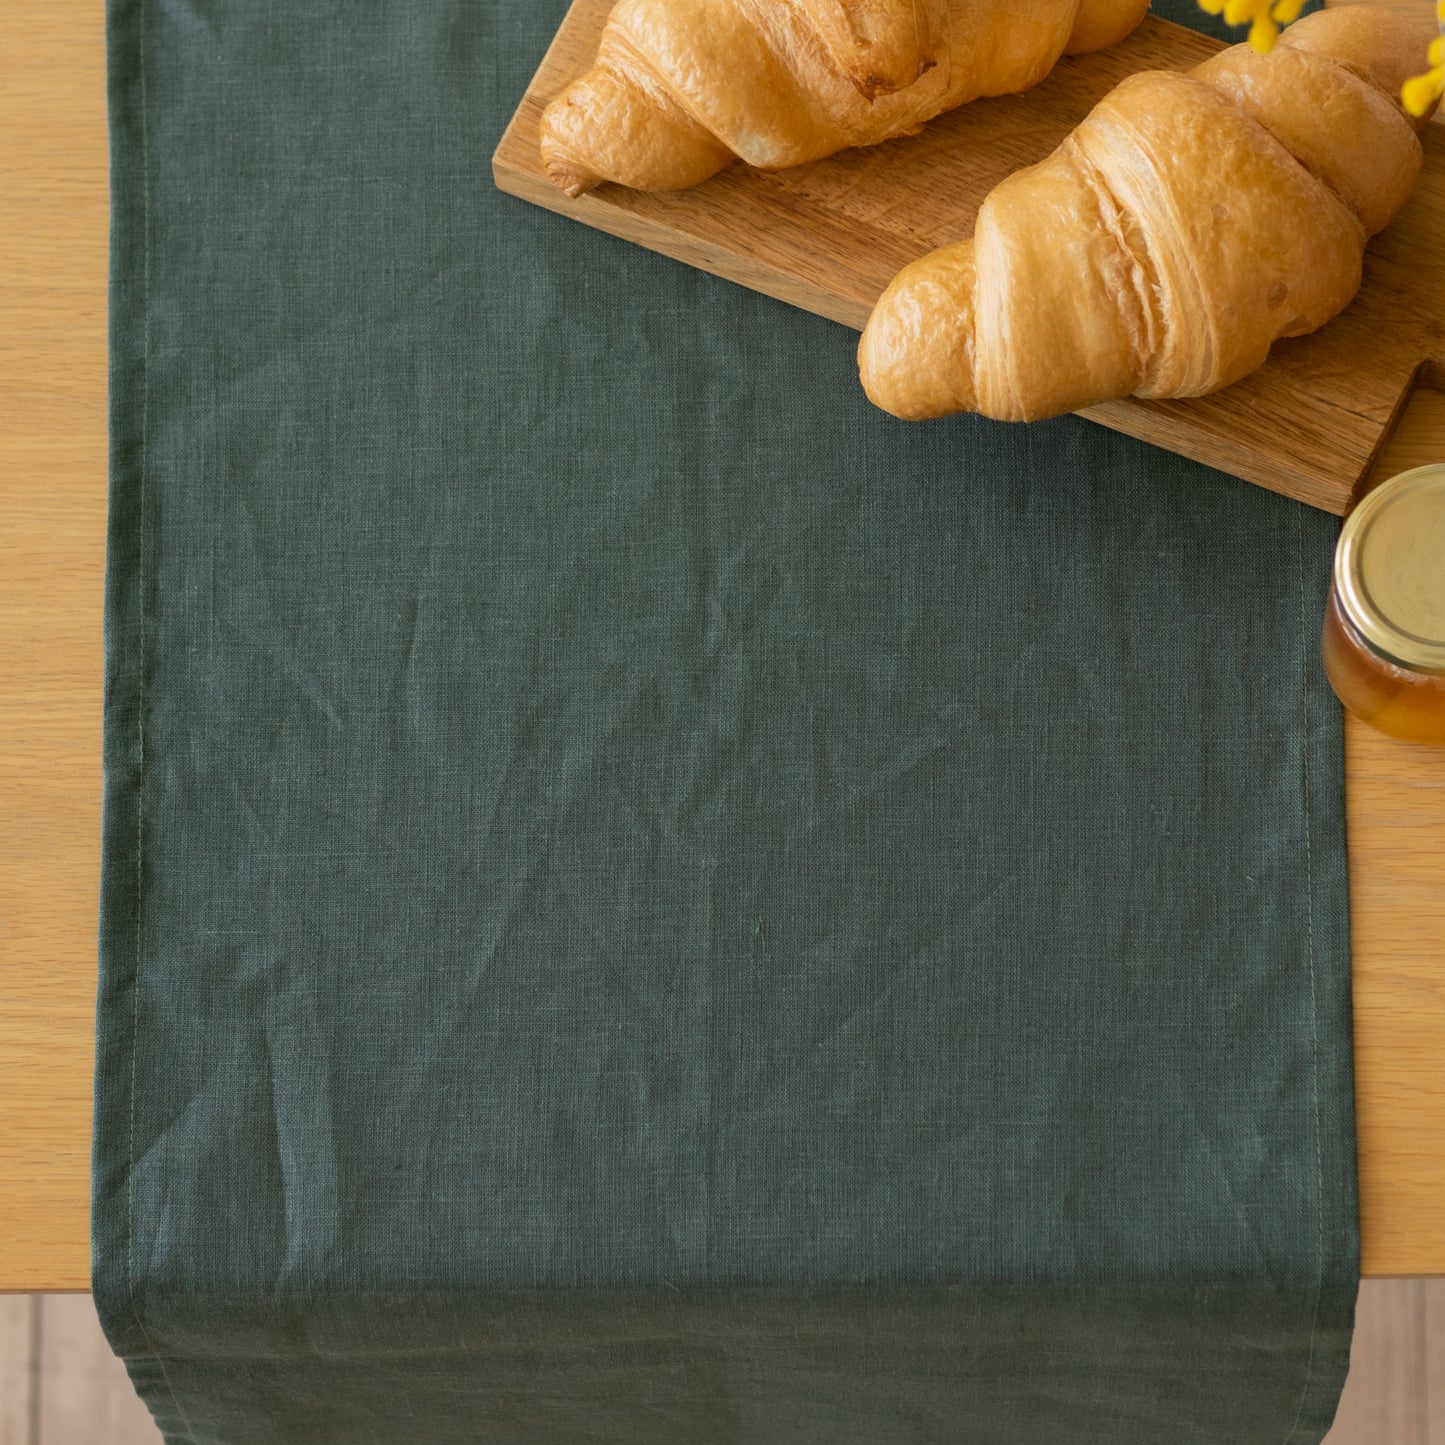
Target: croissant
681	87
1188	222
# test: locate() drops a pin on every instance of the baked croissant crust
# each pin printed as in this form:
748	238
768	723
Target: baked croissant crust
681	87
1188	222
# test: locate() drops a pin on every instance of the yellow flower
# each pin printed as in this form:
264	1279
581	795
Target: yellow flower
1264	17
1419	94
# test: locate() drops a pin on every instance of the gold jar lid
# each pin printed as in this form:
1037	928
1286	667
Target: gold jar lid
1390	569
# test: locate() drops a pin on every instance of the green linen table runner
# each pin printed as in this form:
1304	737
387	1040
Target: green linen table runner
644	900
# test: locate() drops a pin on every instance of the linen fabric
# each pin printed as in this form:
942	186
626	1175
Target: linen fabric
645	900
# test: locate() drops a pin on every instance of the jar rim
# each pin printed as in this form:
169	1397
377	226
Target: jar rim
1390	569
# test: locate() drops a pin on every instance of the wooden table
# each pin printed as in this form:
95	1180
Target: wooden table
53	451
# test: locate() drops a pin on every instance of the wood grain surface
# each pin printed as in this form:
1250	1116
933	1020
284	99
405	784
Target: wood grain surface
18	1319
830	235
52	511
1433	1322
53	218
1386	1399
1395	794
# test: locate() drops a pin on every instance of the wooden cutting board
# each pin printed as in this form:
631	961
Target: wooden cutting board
830	235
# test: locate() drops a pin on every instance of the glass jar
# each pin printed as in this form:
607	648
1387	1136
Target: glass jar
1384	634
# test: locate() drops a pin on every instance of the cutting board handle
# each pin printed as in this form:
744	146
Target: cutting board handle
1411	437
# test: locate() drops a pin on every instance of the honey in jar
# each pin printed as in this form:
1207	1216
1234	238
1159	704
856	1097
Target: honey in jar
1384	634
